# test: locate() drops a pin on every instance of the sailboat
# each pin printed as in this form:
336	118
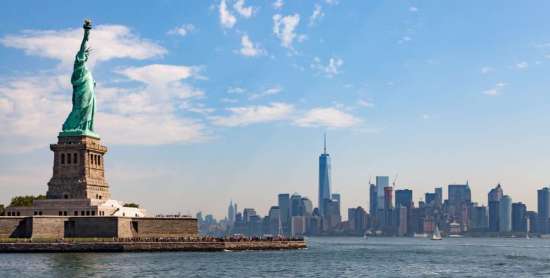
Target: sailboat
436	235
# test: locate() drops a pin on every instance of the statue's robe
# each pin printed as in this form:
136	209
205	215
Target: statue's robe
82	115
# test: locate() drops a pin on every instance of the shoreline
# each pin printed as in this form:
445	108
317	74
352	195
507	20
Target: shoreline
148	246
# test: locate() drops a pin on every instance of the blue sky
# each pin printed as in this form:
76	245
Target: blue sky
201	102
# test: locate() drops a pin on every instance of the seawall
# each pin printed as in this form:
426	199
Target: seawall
147	246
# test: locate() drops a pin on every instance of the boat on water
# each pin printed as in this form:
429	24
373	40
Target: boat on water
436	235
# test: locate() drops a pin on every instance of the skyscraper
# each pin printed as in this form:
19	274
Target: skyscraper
519	217
324	178
505	214
381	183
402	222
494	197
296	208
388	197
479	221
336	197
460	202
336	203
307	206
231	213
438	196
459	194
543	205
284	207
429	198
403	198
274	225
248	213
372	199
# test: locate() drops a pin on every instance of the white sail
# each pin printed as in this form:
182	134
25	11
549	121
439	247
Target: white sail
436	234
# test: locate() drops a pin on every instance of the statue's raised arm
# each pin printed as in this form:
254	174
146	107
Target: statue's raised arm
81	119
84	52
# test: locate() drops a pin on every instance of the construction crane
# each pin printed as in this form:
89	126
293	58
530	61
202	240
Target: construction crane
395	179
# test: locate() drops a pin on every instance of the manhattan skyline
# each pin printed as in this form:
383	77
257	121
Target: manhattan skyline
215	100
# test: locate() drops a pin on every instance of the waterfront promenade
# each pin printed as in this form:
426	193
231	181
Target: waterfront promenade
203	244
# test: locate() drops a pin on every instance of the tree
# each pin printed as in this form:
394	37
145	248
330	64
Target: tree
2	210
25	201
131	205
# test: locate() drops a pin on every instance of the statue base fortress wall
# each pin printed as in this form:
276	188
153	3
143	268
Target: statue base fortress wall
111	227
78	203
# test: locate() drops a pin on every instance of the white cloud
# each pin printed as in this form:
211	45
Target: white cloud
235	90
162	92
413	9
247	115
278	4
365	103
150	114
542	45
182	30
404	39
107	42
491	92
32	110
331	69
316	15
486	70
246	12
150	129
522	65
332	2
327	117
227	20
284	28
229	100
495	91
158	74
268	92
250	49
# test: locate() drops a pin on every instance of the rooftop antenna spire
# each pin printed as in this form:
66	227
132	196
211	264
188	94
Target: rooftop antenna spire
325	145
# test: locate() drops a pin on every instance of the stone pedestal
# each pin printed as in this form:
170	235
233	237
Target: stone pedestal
78	169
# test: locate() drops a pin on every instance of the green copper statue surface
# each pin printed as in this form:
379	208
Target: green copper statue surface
81	119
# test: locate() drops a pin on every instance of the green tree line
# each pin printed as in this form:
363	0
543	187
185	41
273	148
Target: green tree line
25	201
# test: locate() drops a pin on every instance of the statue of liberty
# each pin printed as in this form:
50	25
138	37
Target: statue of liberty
81	119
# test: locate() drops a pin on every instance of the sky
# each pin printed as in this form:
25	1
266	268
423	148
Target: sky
203	102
